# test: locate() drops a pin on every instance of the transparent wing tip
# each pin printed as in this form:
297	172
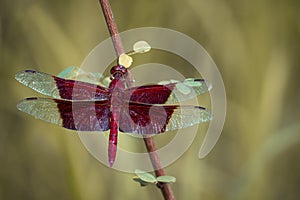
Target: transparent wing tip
208	85
20	76
22	105
206	115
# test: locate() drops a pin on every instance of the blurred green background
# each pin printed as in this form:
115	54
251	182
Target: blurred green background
256	46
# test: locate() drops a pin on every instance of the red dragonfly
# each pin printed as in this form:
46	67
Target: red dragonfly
83	106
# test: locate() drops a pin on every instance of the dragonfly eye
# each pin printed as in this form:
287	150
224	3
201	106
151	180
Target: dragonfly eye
118	71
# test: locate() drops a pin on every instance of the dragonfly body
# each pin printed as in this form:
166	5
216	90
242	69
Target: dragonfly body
83	106
117	87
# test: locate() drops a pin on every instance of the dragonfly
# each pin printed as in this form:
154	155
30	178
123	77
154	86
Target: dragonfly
83	106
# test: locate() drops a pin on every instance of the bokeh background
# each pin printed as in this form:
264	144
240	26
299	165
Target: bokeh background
256	46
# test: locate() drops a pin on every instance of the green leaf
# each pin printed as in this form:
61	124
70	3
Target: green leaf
141	47
166	179
146	177
140	181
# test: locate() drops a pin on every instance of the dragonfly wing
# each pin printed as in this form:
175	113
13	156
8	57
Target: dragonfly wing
60	88
152	119
169	93
78	74
74	115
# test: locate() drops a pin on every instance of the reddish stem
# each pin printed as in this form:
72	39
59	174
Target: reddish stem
164	187
112	27
149	142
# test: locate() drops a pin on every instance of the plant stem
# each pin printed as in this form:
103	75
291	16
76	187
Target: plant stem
149	142
159	171
112	27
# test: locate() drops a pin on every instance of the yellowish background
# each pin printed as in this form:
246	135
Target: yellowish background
256	47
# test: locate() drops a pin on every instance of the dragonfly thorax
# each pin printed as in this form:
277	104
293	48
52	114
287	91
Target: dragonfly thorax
117	87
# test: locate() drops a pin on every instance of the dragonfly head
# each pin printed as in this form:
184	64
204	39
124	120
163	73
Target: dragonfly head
118	72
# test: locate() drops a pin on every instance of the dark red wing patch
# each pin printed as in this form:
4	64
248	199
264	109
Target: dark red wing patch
77	90
144	118
84	115
169	93
74	115
150	94
59	88
152	119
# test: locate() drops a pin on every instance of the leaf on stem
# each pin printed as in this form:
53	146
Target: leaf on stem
166	179
145	176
